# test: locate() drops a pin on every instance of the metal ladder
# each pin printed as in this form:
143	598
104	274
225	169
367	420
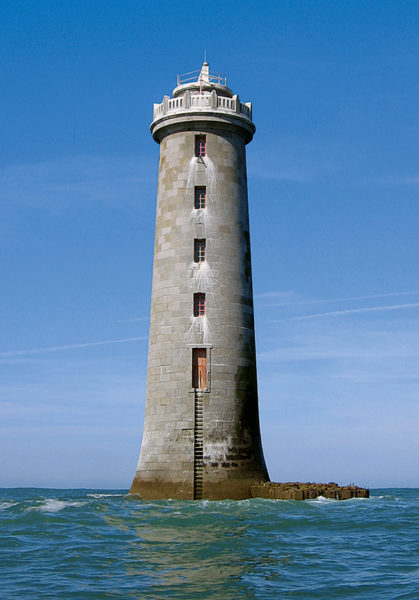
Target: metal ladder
198	470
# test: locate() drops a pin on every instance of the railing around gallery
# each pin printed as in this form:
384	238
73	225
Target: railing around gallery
246	110
193	76
175	103
202	101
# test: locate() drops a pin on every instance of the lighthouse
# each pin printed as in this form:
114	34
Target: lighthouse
201	437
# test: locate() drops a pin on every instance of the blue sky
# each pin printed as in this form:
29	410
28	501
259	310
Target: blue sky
333	190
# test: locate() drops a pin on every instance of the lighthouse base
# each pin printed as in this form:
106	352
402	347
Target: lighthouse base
238	488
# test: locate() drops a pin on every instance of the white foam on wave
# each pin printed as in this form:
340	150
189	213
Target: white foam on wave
386	497
322	500
6	505
96	496
272	500
52	505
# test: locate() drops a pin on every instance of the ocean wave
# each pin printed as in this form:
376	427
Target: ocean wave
387	497
98	496
93	542
355	499
6	505
52	505
322	500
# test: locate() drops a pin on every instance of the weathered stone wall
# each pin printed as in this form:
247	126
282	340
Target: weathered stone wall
307	491
233	457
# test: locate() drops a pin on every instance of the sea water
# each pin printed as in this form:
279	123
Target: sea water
107	544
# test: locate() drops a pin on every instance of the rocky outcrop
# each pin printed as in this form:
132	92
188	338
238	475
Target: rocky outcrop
307	491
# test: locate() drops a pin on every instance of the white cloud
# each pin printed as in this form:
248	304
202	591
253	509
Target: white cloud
11	353
351	311
58	184
280	295
294	175
134	319
286	294
394	180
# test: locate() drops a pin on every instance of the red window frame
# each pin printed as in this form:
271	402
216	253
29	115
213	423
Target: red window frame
200	196
200	251
199	368
200	145
199	304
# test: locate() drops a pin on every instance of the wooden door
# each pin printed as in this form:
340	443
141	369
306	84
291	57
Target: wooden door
199	368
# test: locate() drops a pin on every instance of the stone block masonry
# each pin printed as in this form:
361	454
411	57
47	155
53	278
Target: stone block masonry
307	491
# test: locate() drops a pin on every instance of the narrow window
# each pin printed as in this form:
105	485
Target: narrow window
200	145
199	368
200	196
199	305
199	250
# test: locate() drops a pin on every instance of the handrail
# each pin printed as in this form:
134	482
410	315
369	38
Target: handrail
220	78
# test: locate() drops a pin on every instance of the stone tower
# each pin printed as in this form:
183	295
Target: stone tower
201	433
